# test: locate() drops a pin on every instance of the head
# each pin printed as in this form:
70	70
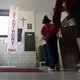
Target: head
46	20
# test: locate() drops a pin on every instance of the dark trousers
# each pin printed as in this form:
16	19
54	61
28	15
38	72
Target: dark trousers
46	54
51	53
75	13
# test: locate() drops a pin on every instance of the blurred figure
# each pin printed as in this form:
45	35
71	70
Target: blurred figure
49	31
43	38
73	9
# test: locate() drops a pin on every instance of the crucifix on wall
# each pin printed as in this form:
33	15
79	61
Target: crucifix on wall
23	19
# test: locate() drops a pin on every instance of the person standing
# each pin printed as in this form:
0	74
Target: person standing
73	9
49	31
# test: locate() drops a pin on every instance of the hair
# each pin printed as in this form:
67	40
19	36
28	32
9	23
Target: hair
46	20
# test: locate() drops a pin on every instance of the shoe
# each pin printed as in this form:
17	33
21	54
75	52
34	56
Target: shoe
78	73
50	72
78	66
50	69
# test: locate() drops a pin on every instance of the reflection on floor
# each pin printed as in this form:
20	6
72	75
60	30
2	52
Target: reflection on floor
55	75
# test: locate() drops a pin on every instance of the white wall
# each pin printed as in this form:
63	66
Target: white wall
41	7
29	5
21	58
29	16
26	58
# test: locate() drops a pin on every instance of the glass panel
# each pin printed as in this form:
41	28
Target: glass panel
4	25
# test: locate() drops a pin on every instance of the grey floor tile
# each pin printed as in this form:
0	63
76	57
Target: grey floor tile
56	75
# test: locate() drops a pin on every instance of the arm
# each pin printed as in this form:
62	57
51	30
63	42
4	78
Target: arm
57	13
43	31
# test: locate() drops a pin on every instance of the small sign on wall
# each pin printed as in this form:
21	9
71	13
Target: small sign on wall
29	26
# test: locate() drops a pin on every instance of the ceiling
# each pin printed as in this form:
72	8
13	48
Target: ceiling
29	5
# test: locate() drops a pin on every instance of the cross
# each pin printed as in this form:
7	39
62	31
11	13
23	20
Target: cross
23	21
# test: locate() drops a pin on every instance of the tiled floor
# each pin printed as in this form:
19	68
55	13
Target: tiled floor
56	75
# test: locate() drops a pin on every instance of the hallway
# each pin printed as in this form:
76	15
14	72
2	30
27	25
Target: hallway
55	75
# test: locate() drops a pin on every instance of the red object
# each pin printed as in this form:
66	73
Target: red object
58	10
20	70
48	29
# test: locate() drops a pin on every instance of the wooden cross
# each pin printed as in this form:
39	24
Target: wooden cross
23	21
